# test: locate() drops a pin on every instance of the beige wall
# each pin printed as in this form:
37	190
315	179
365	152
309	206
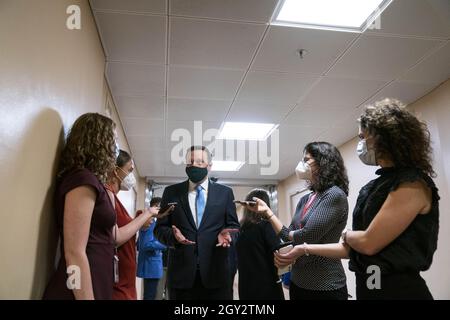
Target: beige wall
49	76
434	108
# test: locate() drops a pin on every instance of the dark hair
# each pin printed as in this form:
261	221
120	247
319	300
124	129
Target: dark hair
399	135
250	217
123	158
203	148
331	168
90	144
155	201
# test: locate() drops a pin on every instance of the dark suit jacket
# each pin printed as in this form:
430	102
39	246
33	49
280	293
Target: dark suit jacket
220	213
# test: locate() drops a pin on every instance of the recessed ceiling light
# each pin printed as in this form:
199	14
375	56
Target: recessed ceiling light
226	165
341	15
246	131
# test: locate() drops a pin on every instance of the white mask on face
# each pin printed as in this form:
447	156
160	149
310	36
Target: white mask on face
303	171
117	150
367	156
128	182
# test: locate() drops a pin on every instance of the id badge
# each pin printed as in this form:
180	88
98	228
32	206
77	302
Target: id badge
116	269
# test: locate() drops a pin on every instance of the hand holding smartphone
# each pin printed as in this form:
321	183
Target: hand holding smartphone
245	203
166	210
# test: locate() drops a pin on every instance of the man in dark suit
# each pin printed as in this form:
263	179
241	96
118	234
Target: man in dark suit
198	231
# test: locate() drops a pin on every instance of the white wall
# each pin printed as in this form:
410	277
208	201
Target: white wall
49	76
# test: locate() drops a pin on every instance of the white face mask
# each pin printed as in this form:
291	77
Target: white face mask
367	156
117	150
128	182
303	171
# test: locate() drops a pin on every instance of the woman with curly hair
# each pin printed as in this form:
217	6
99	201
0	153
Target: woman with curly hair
396	217
84	213
319	217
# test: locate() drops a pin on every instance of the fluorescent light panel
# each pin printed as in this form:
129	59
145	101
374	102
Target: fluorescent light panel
246	131
226	165
342	15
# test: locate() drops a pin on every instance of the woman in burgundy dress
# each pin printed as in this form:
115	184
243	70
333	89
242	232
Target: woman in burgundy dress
122	178
84	214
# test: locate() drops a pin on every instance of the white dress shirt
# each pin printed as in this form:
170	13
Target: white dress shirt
192	195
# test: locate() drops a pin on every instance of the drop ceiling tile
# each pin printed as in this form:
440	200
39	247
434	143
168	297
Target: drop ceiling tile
145	143
423	18
341	92
383	58
215	84
321	117
238	10
141	6
258	111
145	127
279	51
213	43
340	135
140	107
130	37
407	92
278	88
434	69
196	109
130	79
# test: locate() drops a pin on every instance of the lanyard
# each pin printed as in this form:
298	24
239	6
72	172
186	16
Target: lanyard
311	199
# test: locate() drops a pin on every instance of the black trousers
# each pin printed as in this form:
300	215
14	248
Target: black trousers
199	292
296	293
398	286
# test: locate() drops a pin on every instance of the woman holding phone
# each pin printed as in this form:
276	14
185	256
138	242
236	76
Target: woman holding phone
122	179
320	216
255	246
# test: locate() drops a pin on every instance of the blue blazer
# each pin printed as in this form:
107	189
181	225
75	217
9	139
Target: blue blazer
150	264
184	260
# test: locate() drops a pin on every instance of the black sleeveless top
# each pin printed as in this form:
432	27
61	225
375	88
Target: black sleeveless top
411	251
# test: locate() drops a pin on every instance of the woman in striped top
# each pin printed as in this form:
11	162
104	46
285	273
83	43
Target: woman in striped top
319	217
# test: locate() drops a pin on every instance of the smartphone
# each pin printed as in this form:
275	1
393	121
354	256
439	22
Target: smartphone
250	203
167	206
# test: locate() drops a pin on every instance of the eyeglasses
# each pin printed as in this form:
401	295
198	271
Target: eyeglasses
306	159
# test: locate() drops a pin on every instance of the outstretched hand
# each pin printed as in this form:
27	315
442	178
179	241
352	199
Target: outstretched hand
224	237
180	237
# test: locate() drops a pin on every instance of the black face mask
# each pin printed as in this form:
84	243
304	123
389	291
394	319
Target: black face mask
196	174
